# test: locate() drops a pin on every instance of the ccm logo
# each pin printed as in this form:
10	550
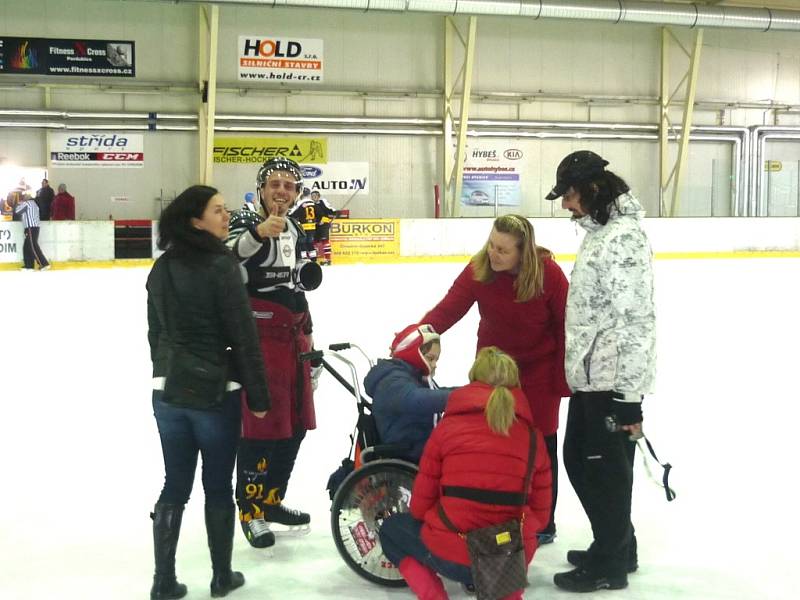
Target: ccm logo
120	156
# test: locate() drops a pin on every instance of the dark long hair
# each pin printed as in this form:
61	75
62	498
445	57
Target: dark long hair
175	230
598	194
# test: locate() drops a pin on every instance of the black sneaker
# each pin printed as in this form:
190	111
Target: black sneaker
579	558
278	513
257	533
585	580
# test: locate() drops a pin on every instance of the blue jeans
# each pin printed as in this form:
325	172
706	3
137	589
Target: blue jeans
213	434
400	538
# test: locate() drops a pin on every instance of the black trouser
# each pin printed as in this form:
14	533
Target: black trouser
551	441
599	464
31	253
263	469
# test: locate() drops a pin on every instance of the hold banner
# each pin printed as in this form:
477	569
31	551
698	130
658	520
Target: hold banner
269	58
96	150
365	240
241	150
337	178
75	57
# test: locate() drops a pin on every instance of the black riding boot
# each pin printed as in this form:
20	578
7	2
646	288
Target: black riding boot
166	529
219	526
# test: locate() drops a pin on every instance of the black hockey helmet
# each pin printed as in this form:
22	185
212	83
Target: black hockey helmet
280	163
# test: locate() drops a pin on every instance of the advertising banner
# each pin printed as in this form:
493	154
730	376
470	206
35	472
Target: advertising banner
337	178
12	238
96	150
491	175
77	57
365	240
256	150
268	58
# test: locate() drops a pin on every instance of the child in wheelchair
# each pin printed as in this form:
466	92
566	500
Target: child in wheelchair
406	403
484	465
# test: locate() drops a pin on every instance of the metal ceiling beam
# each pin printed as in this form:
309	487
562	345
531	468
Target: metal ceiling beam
208	23
608	11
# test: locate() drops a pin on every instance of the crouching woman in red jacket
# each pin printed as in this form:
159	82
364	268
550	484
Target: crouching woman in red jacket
482	442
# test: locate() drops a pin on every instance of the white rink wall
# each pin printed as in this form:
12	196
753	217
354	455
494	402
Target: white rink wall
447	237
80	241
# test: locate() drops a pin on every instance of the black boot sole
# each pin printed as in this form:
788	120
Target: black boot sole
577	558
565	582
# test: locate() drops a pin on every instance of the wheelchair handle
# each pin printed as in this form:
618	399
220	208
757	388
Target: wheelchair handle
341	346
313	355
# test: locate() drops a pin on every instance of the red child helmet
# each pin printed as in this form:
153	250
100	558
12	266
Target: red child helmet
406	345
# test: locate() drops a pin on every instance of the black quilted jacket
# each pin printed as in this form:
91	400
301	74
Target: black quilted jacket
196	298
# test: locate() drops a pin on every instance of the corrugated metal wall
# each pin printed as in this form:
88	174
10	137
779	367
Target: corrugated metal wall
379	51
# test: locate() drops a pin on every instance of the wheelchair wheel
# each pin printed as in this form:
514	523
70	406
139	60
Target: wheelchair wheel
369	495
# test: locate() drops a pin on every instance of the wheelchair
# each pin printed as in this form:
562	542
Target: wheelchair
378	485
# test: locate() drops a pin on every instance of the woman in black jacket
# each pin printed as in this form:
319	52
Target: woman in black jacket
204	348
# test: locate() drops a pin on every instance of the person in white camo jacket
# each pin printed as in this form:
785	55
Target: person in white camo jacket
609	361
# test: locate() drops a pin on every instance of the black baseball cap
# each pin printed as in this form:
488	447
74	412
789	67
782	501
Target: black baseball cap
577	167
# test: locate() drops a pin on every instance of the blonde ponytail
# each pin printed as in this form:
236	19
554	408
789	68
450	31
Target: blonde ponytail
500	410
494	367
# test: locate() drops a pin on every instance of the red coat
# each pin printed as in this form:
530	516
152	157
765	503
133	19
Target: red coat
63	207
282	338
531	332
463	451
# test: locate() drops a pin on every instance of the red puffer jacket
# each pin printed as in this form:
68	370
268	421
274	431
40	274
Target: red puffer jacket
463	451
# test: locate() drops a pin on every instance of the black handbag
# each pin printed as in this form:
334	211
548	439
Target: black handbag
496	552
192	379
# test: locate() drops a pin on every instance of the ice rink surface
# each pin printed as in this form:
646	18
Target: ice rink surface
82	467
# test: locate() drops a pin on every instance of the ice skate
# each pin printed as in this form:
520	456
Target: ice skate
257	532
285	522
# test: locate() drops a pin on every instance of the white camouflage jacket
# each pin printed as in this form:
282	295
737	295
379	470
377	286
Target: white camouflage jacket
610	321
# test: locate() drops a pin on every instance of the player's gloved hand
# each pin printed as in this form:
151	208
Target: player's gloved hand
627	413
316	372
307	275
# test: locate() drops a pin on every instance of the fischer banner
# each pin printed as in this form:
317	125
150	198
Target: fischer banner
76	57
256	150
96	150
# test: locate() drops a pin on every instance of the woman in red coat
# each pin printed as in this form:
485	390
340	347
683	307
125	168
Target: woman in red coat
482	442
521	294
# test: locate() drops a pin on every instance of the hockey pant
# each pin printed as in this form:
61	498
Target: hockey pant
263	469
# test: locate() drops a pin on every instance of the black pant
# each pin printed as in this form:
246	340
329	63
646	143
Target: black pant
599	464
31	253
551	441
263	469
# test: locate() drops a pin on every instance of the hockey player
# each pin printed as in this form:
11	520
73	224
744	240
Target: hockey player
325	214
269	248
305	213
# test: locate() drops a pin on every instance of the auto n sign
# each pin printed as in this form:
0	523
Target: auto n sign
96	150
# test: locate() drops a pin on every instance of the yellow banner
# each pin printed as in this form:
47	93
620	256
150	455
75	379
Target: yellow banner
365	240
246	150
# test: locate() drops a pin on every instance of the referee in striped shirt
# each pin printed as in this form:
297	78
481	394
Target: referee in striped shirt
28	210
